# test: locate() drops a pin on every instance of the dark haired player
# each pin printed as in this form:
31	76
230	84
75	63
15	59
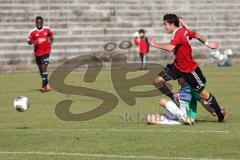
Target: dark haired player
184	66
42	38
142	42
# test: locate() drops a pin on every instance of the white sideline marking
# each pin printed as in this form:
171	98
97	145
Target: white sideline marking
105	155
120	130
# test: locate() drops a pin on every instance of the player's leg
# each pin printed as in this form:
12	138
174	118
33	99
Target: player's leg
164	120
142	60
206	105
198	82
40	70
192	113
44	74
161	119
38	61
176	113
172	108
211	100
168	73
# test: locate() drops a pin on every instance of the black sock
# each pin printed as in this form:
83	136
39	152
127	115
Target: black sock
214	104
165	90
44	78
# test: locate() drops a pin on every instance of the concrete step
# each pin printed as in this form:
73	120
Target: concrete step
120	24
82	25
74	49
102	7
72	17
108	31
117	2
127	12
119	35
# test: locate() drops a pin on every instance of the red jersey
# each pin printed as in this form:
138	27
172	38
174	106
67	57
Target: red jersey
143	45
183	52
41	40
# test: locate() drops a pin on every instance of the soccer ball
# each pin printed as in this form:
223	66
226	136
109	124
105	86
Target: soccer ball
21	103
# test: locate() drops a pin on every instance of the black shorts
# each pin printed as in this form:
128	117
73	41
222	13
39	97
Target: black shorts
44	59
195	78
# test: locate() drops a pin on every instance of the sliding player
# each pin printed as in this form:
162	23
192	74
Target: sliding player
187	111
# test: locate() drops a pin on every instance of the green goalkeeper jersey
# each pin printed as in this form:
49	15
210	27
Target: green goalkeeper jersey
188	99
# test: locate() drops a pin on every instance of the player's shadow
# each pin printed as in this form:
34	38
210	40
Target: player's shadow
204	121
23	128
35	90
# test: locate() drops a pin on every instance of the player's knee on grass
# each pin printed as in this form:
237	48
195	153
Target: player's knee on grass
163	102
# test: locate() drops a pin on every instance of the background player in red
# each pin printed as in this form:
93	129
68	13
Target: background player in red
142	42
42	38
184	66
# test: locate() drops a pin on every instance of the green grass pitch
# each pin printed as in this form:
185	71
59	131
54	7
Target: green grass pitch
119	134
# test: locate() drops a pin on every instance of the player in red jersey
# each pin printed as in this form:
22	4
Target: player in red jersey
142	42
184	66
42	38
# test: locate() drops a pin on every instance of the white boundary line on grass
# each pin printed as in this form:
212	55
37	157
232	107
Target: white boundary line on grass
160	130
121	130
104	155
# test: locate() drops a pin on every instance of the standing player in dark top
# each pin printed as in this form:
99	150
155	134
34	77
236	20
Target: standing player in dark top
42	38
184	66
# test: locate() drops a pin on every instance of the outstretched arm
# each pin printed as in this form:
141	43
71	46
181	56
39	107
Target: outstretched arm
205	42
198	36
166	47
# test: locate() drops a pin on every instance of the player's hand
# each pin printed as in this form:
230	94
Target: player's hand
137	39
34	42
29	42
213	45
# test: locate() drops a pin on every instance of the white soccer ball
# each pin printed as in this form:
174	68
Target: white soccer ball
21	103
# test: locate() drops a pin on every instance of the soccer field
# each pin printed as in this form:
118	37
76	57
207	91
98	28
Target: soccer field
120	134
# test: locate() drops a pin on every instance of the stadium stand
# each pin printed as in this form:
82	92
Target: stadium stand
84	27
